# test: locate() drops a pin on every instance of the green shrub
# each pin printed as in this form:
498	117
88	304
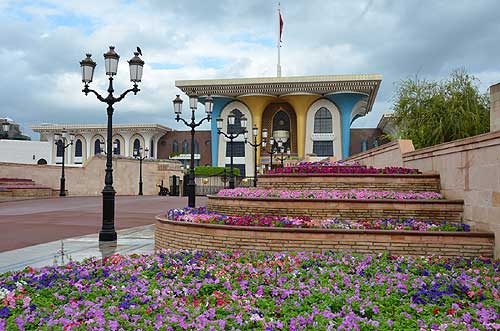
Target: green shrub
214	171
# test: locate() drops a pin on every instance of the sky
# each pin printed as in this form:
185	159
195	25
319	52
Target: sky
42	43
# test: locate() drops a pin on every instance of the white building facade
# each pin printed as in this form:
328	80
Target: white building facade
90	139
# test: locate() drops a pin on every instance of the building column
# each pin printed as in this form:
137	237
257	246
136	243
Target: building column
219	104
257	105
126	137
88	147
346	102
301	104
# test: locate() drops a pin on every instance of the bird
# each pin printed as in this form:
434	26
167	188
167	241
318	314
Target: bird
139	50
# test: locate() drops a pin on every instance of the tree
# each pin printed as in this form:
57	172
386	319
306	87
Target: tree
430	112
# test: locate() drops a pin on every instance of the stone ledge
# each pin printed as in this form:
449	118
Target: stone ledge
438	210
179	235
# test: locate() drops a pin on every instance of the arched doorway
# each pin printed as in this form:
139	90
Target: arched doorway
279	118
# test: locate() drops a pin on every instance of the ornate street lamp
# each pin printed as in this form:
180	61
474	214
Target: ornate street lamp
138	155
284	157
5	130
255	145
63	141
136	65
193	105
231	136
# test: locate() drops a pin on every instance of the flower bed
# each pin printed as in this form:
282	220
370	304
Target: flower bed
328	194
203	216
340	168
235	291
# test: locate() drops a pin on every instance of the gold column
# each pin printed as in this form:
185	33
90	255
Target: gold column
301	104
257	104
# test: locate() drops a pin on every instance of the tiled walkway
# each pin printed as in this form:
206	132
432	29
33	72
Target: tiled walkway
134	240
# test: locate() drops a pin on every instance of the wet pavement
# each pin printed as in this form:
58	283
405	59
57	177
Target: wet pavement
138	240
31	222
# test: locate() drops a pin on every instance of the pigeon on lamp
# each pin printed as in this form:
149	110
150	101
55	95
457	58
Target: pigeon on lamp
139	50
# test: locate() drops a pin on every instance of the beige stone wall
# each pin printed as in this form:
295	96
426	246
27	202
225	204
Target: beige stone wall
387	155
438	210
178	235
89	179
469	169
495	107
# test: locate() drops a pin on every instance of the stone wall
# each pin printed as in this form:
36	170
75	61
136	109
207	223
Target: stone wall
445	210
177	235
469	169
403	183
388	155
88	180
495	107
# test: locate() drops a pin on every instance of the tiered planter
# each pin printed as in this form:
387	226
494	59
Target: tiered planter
446	210
180	235
402	183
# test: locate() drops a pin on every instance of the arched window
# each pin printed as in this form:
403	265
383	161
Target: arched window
185	147
116	149
152	149
59	151
78	148
323	121
97	147
236	128
196	147
175	147
137	144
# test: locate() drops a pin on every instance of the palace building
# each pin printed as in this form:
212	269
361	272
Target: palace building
311	114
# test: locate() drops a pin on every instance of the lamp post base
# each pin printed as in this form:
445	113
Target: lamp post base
107	235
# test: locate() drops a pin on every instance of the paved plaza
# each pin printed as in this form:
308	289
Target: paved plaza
31	222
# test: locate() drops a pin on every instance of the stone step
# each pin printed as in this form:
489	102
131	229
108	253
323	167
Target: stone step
25	191
16	181
375	182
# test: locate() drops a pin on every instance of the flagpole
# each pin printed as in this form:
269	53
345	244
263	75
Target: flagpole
278	68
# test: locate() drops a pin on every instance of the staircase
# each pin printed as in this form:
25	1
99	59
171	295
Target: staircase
18	188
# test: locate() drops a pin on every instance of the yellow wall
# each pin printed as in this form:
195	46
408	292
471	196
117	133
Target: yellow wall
300	104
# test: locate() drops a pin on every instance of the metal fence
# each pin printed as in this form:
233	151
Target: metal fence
207	185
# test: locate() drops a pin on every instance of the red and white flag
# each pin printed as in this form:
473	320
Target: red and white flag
281	26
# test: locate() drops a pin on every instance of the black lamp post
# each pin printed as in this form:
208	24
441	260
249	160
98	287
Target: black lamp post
5	130
255	145
193	104
231	136
111	59
139	156
284	157
60	141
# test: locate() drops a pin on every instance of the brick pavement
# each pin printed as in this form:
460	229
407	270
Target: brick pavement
30	222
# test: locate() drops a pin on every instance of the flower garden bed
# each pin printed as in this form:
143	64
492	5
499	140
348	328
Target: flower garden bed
328	194
236	291
345	209
378	182
187	235
202	215
339	168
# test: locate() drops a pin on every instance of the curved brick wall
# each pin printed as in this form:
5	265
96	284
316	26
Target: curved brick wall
179	235
417	183
445	210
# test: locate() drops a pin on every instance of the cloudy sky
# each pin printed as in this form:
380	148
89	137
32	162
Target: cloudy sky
42	43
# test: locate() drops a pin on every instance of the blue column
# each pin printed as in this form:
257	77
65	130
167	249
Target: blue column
345	102
219	104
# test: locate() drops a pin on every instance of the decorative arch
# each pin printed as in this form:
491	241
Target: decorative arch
93	142
269	119
80	158
319	111
120	150
359	109
248	161
139	137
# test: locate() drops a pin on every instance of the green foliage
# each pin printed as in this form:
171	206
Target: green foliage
214	171
430	112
